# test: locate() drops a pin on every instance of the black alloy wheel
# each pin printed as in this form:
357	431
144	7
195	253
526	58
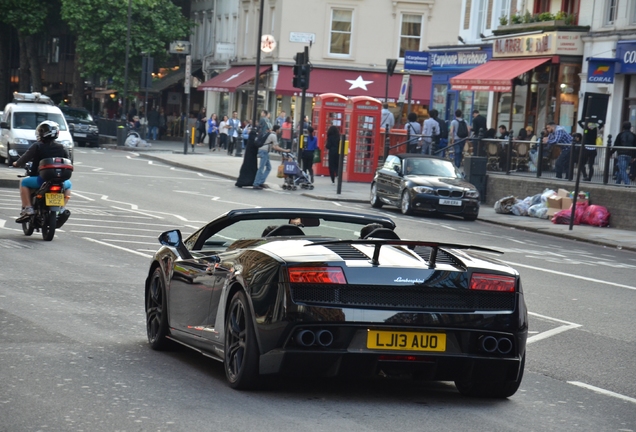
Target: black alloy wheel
375	202
497	389
241	349
49	222
157	312
405	203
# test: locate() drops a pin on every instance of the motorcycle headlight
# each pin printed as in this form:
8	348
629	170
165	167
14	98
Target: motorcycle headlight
472	194
66	143
424	190
21	141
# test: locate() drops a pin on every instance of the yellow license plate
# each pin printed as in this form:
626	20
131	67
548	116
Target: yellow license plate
406	341
54	199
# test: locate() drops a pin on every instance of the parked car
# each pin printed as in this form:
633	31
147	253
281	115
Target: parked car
306	292
427	184
82	126
19	120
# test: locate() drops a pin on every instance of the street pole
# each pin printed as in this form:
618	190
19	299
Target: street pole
186	88
125	112
258	66
301	123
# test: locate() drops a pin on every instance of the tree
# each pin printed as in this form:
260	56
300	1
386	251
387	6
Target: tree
100	28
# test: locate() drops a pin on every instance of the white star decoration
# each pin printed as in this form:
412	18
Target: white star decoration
233	76
359	83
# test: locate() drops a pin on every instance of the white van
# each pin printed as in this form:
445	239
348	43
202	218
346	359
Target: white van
19	120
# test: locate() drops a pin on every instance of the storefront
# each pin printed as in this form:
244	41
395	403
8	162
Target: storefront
535	79
447	64
626	56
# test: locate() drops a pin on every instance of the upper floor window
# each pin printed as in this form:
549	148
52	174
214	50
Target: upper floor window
482	12
541	6
341	25
410	33
610	11
634	13
504	9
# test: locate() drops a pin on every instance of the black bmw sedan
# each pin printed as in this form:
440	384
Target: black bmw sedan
425	184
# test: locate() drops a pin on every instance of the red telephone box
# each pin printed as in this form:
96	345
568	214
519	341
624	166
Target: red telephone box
363	115
329	110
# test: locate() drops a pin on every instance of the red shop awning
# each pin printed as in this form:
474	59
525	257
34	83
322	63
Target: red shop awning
354	83
495	75
231	79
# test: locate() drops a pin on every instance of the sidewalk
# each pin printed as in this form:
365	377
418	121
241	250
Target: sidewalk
221	164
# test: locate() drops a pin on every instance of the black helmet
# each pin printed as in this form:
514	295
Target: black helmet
48	130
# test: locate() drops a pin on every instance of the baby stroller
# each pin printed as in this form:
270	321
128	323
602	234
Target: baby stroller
294	176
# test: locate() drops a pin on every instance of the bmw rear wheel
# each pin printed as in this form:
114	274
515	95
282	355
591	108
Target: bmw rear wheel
375	202
405	203
157	312
241	349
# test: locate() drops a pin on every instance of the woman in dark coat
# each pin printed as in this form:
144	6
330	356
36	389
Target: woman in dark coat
250	162
332	145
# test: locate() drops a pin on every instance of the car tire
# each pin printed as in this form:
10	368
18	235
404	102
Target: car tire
49	222
375	202
81	144
157	312
8	160
405	203
498	389
241	349
470	217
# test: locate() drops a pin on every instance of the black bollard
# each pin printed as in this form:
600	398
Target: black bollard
608	155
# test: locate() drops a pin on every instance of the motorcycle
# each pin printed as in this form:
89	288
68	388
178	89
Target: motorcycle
48	200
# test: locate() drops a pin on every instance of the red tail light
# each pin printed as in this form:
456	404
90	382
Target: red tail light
489	282
55	188
317	275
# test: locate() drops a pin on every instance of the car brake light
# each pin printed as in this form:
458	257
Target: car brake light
55	188
319	275
490	282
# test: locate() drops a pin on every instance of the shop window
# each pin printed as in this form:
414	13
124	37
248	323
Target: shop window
410	33
340	35
439	99
610	11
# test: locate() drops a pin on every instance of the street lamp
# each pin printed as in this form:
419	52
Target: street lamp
258	65
125	113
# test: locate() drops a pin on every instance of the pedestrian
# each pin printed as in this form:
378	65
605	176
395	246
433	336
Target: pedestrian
281	119
245	135
531	136
213	131
223	133
286	133
153	123
431	135
442	140
479	126
249	167
333	146
163	123
271	143
387	119
414	131
202	118
264	124
589	151
625	156
234	129
558	136
308	153
459	131
132	112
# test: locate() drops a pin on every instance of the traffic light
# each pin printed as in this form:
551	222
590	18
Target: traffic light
302	69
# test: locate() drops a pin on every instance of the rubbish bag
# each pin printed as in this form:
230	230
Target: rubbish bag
520	208
538	211
132	139
596	215
563	217
504	205
547	193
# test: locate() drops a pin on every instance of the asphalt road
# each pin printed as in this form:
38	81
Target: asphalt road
73	351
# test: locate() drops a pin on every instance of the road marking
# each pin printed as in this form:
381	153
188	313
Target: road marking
77	194
603	391
552	332
571	275
137	212
117	247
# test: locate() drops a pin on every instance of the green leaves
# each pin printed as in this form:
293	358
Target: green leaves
100	27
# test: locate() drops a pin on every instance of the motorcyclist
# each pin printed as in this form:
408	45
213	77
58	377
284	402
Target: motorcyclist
46	133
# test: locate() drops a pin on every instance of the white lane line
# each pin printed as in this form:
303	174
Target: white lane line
134	242
110	227
571	275
603	391
552	319
117	247
112	234
77	194
137	212
550	333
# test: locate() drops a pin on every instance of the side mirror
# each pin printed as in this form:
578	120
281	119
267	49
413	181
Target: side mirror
397	170
4	125
171	238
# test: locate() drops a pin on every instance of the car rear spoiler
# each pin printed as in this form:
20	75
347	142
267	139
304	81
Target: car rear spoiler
378	243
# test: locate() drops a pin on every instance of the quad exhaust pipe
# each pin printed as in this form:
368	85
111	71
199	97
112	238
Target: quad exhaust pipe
307	338
490	344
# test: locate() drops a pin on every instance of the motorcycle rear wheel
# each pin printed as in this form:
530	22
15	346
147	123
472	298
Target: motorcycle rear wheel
27	227
48	225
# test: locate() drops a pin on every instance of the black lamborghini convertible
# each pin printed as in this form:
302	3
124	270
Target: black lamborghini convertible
299	292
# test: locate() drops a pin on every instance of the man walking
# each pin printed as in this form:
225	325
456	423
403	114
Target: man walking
625	156
233	133
153	123
558	135
442	140
264	124
431	135
479	124
265	167
387	117
458	132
